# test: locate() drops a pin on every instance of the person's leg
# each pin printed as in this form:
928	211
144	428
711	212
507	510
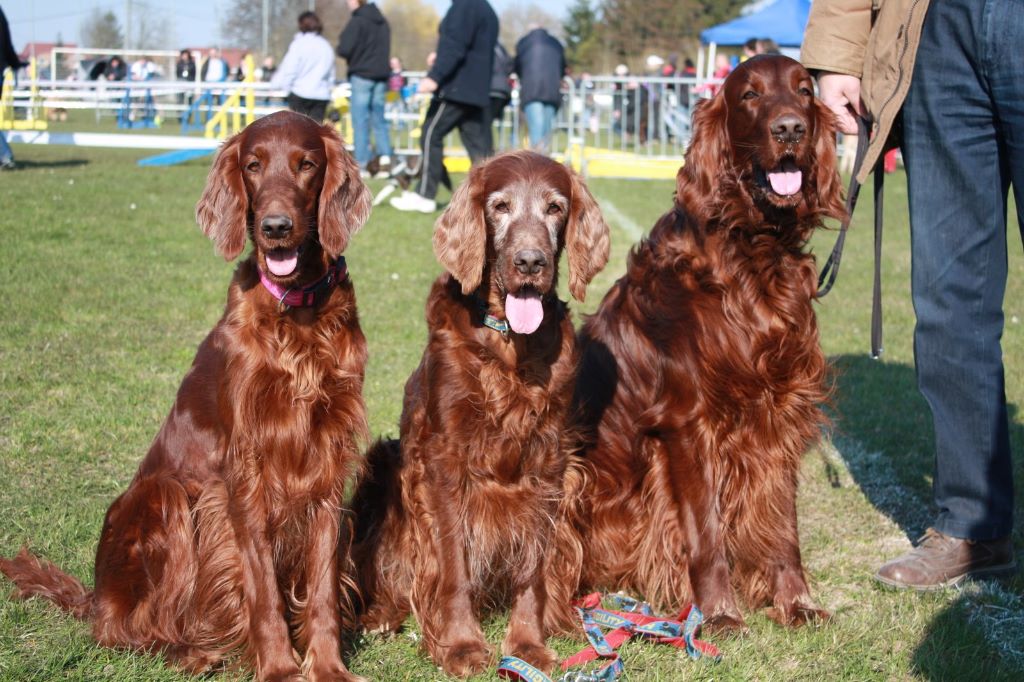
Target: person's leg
475	132
381	134
6	155
957	186
534	113
362	92
318	109
435	129
549	126
441	118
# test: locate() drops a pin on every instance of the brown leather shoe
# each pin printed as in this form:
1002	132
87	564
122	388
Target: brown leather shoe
940	560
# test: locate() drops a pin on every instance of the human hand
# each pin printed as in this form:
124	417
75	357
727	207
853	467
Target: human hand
841	93
426	86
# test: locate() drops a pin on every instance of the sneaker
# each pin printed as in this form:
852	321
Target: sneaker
384	166
8	165
411	201
940	560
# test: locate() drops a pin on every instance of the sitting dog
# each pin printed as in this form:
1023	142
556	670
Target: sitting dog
226	542
457	517
702	381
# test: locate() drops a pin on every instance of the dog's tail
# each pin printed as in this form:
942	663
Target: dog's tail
378	548
35	577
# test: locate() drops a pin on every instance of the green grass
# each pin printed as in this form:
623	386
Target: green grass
108	287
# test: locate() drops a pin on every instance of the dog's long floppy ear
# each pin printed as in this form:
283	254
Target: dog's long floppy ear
460	234
344	200
708	158
223	209
826	185
587	240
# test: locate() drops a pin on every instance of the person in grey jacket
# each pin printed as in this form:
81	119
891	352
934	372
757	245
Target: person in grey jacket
307	70
365	43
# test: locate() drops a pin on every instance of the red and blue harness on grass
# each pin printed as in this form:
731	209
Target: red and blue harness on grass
627	618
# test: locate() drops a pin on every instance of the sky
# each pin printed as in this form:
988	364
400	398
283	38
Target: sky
196	22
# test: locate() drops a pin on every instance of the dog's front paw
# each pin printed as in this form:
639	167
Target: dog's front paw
465	658
537	655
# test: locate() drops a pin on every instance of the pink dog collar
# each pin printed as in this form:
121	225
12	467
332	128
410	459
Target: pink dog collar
300	298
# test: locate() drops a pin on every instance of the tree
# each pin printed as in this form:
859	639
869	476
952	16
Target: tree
413	31
580	34
101	29
243	25
413	26
152	30
631	29
517	20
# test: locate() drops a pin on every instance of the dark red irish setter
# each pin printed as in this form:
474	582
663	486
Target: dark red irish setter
226	543
702	381
458	517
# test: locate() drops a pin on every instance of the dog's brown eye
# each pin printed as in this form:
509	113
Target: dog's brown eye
750	94
501	207
252	166
554	209
806	92
306	165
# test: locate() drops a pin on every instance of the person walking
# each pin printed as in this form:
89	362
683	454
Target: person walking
946	69
540	65
365	44
459	79
307	70
8	59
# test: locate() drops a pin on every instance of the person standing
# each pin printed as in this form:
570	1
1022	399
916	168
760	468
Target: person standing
365	43
214	69
501	85
540	64
307	71
8	59
946	69
185	71
460	79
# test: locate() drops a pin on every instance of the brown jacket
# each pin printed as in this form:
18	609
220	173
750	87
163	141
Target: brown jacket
875	40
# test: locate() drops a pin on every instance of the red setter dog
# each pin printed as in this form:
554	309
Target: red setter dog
226	542
459	517
701	379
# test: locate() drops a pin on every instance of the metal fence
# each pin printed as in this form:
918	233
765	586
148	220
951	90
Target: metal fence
632	119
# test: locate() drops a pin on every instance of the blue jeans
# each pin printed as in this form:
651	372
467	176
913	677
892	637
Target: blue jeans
963	123
6	155
540	120
368	109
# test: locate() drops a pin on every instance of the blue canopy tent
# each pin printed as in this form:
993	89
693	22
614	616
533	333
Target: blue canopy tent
783	21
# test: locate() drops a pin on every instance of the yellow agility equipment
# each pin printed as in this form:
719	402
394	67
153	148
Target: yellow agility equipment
34	119
228	119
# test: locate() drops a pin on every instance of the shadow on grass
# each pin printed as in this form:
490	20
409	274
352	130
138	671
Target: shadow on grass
883	428
960	644
62	163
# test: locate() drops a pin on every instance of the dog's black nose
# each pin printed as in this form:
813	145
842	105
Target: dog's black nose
276	226
529	261
789	128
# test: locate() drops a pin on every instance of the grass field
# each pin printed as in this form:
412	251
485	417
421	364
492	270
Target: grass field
108	287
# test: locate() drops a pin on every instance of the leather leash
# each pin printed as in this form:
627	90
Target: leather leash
830	270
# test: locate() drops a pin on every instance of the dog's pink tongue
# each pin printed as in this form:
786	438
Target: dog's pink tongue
785	183
525	312
282	263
